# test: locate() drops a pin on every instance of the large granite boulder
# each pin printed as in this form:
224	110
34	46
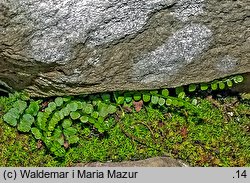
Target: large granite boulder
68	47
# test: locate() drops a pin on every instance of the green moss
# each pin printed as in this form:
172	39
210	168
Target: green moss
21	149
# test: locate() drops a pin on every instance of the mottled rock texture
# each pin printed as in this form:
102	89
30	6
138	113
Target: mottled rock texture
69	47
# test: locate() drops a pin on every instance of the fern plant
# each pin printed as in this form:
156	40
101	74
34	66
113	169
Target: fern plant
58	123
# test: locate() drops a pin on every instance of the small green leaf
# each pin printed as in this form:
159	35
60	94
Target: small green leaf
161	101
194	101
100	119
165	92
88	109
66	123
79	105
154	99
86	131
61	140
238	79
73	139
222	85
48	134
128	97
42	120
75	115
52	124
61	114
56	116
103	110
146	97
137	96
52	106
84	119
169	102
69	131
10	119
112	109
182	95
106	97
48	110
99	128
57	133
54	121
92	120
65	111
84	104
229	83
59	101
32	109
14	112
95	114
214	85
28	118
73	106
20	105
175	102
25	123
192	87
36	132
204	86
120	100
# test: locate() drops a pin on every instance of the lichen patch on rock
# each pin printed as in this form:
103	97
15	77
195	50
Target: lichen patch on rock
178	51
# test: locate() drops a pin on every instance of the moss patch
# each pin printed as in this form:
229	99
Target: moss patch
216	135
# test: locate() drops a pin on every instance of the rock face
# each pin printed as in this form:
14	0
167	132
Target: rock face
70	47
150	162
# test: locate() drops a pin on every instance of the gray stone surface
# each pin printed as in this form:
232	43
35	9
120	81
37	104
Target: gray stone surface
69	47
150	162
